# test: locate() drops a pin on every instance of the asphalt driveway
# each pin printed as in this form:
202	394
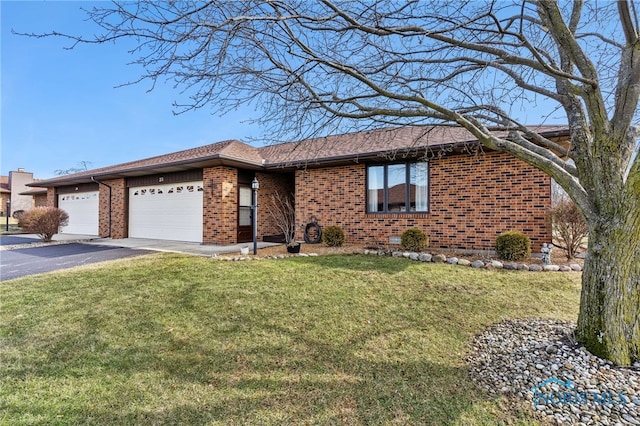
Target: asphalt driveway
35	260
9	240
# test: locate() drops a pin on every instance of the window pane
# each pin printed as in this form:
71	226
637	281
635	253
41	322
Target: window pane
375	188
397	188
245	196
244	216
419	195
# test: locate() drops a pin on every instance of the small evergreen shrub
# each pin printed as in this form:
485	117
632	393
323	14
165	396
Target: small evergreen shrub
333	236
414	239
44	221
513	245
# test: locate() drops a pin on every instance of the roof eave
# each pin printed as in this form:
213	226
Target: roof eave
176	166
413	151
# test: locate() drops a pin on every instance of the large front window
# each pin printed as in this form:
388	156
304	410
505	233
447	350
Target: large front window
398	188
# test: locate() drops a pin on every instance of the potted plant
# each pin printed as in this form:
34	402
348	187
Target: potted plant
281	210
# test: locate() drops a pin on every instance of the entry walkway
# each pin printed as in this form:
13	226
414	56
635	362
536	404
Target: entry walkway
178	246
196	249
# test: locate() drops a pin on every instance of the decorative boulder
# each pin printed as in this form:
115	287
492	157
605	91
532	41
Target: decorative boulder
438	258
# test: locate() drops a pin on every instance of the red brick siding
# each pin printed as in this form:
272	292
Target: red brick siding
119	209
52	199
472	200
269	185
40	200
220	205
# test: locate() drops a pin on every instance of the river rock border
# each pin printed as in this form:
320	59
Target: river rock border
538	363
486	264
427	257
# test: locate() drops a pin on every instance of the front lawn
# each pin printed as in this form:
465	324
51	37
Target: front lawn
170	339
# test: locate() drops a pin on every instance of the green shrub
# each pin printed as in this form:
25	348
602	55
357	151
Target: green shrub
333	236
513	245
44	221
414	240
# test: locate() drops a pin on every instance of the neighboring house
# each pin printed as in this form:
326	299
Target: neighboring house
5	194
373	184
22	197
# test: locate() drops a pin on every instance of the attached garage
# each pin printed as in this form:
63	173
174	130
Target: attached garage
83	210
166	211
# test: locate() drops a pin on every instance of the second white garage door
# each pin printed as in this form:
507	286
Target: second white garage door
166	212
82	209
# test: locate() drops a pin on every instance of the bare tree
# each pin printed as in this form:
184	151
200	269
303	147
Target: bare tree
82	166
281	209
569	227
319	66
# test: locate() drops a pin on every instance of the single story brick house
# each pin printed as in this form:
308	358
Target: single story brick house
373	184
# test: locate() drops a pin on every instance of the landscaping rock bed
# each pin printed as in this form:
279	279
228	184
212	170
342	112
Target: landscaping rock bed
537	362
477	263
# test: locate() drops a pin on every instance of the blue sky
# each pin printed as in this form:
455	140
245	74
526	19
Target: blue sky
61	107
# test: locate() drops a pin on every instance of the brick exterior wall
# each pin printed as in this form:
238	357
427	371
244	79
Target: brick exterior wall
52	200
220	205
119	209
40	200
282	183
472	200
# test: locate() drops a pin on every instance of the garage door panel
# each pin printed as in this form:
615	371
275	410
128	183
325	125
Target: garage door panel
166	212
83	210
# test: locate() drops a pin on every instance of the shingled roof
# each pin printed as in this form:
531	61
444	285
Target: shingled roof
230	152
320	151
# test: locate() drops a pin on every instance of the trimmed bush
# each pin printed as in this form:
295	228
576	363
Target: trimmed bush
513	245
414	240
44	221
333	236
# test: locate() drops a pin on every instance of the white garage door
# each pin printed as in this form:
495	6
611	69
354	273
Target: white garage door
82	208
166	212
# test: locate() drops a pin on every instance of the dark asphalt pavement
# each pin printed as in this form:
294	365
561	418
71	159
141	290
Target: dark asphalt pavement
10	240
36	260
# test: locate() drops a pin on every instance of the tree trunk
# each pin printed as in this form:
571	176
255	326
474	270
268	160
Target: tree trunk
609	319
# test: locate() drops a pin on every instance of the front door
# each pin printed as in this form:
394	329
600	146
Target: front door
245	222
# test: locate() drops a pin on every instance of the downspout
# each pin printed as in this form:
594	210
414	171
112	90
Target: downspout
109	209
